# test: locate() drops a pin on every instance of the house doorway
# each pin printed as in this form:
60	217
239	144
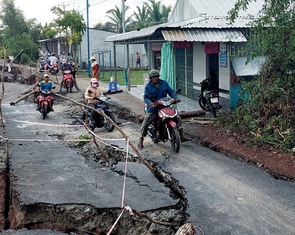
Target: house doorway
213	69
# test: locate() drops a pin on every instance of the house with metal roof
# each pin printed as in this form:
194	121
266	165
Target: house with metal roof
198	42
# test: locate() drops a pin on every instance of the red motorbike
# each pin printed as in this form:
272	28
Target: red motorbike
68	82
164	127
45	102
54	69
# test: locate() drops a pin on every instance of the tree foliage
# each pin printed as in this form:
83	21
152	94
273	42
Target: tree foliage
71	23
151	13
18	34
269	113
158	13
115	15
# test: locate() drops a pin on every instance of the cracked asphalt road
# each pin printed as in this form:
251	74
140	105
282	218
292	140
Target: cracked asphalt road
225	196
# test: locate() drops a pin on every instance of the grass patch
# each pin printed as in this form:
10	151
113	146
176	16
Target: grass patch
136	76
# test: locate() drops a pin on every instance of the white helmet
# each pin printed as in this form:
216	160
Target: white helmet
64	61
93	80
46	75
92	58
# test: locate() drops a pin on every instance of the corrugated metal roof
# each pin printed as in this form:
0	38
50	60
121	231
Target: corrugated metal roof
145	32
199	22
217	22
222	7
204	35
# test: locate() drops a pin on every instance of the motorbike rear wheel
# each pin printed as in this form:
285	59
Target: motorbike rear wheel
175	139
108	126
44	111
202	102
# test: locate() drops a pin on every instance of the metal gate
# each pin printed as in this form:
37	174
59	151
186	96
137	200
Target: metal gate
184	70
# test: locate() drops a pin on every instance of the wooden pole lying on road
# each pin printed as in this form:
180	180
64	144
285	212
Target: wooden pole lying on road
116	126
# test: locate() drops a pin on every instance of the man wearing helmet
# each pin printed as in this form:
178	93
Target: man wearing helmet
45	85
155	90
94	68
66	66
91	92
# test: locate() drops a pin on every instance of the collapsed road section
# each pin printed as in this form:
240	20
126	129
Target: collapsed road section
52	186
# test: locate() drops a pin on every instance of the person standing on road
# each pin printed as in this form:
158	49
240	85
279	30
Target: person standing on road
94	68
155	90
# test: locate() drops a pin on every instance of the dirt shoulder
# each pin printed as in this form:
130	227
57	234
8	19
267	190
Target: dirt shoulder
279	165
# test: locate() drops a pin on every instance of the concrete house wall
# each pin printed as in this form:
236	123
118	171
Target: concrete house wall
100	48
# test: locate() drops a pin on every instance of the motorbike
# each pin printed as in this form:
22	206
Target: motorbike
98	119
44	100
209	98
68	82
53	69
164	126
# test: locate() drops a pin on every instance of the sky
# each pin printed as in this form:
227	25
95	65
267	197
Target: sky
40	9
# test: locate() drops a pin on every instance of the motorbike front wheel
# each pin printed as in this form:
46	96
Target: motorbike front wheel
44	111
108	126
70	86
175	139
202	102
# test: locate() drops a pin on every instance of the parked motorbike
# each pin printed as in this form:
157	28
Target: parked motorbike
98	119
44	101
164	127
68	82
209	98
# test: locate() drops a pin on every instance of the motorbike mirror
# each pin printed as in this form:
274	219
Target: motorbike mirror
53	87
90	91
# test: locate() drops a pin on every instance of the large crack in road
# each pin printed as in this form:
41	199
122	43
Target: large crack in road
55	185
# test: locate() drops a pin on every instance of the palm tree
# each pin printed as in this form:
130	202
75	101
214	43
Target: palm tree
115	15
141	18
158	12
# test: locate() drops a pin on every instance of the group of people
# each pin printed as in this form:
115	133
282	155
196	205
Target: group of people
154	90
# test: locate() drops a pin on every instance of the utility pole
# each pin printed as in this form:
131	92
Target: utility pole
63	5
88	40
126	49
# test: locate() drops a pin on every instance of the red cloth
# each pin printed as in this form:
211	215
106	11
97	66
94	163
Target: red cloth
182	44
211	47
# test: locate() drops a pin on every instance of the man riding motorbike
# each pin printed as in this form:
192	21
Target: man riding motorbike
66	66
44	85
90	96
155	90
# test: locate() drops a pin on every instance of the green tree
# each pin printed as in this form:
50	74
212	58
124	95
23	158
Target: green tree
269	112
72	24
49	30
140	18
108	26
17	33
115	15
158	13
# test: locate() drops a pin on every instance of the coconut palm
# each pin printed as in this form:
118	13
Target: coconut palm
115	15
158	12
140	18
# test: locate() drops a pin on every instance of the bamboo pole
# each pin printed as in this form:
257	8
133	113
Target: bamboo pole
116	126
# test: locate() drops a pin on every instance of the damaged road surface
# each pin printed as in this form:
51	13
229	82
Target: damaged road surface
52	186
73	190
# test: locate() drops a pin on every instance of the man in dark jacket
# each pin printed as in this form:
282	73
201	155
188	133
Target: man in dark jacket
155	90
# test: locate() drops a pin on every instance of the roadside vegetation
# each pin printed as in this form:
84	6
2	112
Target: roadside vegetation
267	116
